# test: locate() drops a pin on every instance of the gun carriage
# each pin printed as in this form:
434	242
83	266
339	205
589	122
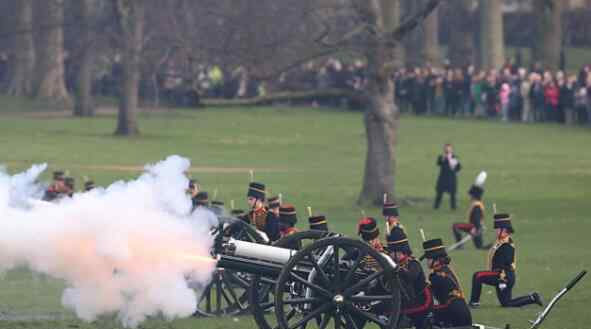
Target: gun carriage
310	277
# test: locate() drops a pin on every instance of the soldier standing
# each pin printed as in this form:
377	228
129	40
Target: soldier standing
452	310
474	226
255	197
501	273
417	300
447	182
318	223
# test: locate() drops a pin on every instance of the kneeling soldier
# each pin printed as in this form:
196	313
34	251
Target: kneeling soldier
417	300
452	310
502	269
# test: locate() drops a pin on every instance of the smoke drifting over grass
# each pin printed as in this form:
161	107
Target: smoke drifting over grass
127	249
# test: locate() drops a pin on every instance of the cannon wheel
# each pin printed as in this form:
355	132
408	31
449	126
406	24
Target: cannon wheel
345	292
261	293
227	293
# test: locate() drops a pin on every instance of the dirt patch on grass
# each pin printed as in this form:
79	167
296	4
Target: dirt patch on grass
195	169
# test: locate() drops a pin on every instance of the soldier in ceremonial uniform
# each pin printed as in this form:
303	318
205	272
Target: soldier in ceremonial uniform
57	187
318	223
192	190
272	224
452	310
475	220
287	220
390	212
501	273
257	215
417	300
447	181
368	230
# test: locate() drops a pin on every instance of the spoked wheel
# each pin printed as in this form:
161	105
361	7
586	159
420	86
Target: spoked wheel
227	293
261	295
337	282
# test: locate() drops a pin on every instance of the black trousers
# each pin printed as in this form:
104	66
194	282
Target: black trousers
439	196
454	314
504	294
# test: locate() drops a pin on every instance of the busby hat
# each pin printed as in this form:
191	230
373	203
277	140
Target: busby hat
288	215
58	175
256	190
434	249
69	182
318	223
503	221
398	241
274	202
89	185
476	191
368	228
202	199
390	210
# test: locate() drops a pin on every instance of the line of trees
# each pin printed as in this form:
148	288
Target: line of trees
264	38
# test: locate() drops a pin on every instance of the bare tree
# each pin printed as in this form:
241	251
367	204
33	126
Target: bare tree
547	42
431	49
492	43
49	45
461	50
22	61
130	16
84	103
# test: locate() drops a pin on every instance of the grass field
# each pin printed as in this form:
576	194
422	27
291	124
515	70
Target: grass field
541	174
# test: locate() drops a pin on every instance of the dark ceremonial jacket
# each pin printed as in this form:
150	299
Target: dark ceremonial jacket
416	295
476	214
502	256
445	286
447	180
272	227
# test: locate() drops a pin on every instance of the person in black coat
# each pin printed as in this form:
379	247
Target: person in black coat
447	181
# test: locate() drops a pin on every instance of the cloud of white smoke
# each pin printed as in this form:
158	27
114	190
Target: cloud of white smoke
127	249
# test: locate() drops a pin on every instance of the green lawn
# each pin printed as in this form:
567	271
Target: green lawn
314	157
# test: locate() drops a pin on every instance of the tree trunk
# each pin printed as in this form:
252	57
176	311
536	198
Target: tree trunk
492	43
381	114
84	101
131	20
548	40
461	39
413	42
393	19
431	51
22	61
49	69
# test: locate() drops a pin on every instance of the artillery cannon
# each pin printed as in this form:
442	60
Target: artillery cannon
333	281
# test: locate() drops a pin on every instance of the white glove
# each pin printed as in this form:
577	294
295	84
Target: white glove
502	286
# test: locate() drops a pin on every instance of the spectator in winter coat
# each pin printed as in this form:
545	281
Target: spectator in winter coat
551	94
566	101
537	98
582	104
526	111
504	97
